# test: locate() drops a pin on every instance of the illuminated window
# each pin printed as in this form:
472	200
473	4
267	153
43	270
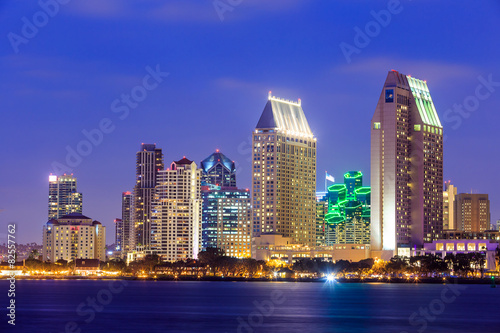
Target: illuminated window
471	247
416	127
450	247
460	247
439	247
376	125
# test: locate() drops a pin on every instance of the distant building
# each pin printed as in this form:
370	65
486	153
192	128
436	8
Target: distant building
227	220
472	212
128	226
73	236
348	217
176	214
449	206
321	211
118	234
149	163
406	168
218	170
284	173
63	197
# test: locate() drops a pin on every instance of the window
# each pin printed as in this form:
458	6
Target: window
439	247
460	247
376	125
450	247
389	95
471	247
416	127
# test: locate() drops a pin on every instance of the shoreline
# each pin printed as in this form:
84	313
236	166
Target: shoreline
486	280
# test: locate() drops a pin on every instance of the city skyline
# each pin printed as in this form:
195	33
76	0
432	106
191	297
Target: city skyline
63	101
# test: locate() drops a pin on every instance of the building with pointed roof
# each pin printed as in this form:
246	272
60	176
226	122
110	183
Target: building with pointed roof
406	167
284	173
218	170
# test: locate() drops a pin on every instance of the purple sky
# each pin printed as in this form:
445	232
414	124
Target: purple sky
69	74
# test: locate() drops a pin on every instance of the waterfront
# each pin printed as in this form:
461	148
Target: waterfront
165	306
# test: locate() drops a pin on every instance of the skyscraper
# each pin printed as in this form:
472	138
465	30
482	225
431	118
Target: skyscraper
176	228
128	227
149	163
406	166
63	197
118	234
449	206
348	217
284	173
472	212
218	170
226	220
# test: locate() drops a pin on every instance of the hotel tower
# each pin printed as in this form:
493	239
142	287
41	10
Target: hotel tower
406	167
284	173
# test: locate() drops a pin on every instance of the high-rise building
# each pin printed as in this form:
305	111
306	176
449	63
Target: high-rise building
406	167
472	212
73	236
218	170
227	220
118	234
149	163
63	197
449	206
128	226
284	173
176	228
348	217
321	211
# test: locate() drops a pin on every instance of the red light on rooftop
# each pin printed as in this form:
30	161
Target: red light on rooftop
216	150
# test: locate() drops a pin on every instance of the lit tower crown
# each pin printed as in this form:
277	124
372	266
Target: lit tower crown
218	170
406	166
284	172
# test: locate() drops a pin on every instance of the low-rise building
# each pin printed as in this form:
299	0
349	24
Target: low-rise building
87	267
73	236
443	247
276	247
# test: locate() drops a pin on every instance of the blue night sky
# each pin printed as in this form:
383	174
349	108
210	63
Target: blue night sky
65	78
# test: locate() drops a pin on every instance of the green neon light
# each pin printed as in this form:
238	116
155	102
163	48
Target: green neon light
353	174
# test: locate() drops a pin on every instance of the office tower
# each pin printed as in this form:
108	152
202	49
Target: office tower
218	170
321	211
348	217
63	197
472	212
73	236
149	163
118	234
176	229
226	215
128	239
449	206
284	173
406	167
